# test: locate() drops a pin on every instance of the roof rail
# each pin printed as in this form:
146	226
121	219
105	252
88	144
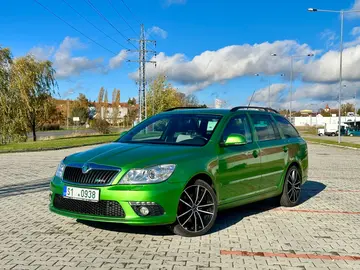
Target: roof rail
180	108
254	107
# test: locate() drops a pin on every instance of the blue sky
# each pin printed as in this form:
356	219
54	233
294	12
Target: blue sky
188	29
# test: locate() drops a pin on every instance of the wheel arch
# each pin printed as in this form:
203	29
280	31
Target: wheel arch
291	163
202	176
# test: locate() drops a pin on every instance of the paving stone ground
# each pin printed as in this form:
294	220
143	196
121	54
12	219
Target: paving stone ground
33	238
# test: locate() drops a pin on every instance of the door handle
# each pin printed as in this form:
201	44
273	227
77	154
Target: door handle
285	149
255	153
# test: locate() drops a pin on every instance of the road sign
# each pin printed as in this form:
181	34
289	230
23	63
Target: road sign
76	119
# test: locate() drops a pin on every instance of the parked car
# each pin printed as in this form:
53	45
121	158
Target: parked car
353	132
321	132
181	167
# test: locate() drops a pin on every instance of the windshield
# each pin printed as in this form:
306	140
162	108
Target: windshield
174	129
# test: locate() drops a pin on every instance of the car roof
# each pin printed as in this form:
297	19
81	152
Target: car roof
212	111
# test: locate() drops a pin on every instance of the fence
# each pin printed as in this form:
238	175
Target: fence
321	120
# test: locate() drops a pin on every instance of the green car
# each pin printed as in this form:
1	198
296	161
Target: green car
182	166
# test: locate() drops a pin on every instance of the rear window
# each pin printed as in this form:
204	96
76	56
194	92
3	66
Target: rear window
287	129
265	127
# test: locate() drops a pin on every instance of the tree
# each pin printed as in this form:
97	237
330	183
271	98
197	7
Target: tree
115	106
81	108
12	124
106	104
34	82
100	103
162	95
358	111
132	101
348	107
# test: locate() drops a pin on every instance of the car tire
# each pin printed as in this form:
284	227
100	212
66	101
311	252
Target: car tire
292	188
197	210
351	135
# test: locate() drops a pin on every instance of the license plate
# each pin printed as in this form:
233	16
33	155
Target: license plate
83	194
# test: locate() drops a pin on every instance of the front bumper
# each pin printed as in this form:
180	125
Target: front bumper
164	194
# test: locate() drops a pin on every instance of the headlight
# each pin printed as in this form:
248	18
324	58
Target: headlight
60	170
149	175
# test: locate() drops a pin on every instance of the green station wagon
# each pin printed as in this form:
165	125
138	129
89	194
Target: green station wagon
182	166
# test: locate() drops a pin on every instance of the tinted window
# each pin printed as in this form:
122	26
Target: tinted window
265	127
287	129
238	125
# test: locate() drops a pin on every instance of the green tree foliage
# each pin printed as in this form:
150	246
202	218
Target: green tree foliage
348	107
115	106
100	102
12	118
80	108
106	105
162	95
34	82
132	101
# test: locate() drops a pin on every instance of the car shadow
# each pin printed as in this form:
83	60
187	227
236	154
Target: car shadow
232	216
25	188
225	219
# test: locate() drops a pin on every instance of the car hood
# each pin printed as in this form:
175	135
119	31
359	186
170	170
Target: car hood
133	155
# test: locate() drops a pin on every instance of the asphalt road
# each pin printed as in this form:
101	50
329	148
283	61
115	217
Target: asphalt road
321	233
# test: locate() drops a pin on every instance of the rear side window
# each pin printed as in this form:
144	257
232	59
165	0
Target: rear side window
265	127
287	129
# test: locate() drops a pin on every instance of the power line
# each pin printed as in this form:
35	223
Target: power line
94	25
101	15
111	4
128	8
130	11
75	28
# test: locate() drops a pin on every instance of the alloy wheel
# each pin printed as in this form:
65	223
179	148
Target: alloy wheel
196	209
293	185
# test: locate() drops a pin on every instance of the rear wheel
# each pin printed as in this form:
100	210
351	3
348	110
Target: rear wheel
292	188
197	210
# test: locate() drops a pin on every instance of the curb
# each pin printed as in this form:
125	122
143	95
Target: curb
334	145
49	149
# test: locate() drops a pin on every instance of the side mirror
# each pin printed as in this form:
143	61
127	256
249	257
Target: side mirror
234	139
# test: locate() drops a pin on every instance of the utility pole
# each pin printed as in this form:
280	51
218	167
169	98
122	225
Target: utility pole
67	113
142	74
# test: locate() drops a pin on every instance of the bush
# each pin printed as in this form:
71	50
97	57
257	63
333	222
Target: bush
101	126
46	127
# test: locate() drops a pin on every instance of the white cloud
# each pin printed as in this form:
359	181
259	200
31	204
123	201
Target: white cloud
356	6
227	63
42	53
157	31
262	95
326	68
330	38
117	60
355	31
66	65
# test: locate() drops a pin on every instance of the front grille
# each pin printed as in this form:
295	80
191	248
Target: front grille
92	177
100	208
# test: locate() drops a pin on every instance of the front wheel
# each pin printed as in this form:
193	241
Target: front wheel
292	188
197	210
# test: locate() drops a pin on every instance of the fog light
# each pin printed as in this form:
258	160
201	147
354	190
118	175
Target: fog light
144	210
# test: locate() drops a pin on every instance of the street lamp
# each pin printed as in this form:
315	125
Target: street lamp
291	74
342	12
